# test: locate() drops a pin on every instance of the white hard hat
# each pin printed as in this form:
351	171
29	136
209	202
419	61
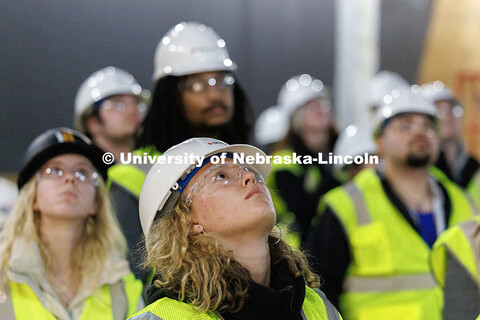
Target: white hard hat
405	99
353	141
162	186
188	48
102	84
382	84
437	91
271	125
298	90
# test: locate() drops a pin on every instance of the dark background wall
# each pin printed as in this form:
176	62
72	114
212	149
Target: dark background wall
49	47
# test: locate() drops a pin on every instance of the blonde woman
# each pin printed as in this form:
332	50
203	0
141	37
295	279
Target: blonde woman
209	237
62	254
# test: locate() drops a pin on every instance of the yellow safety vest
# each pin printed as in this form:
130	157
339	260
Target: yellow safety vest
131	176
286	218
110	302
460	242
389	276
314	307
472	189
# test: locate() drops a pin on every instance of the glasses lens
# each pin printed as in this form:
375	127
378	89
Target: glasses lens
221	176
200	85
80	174
121	106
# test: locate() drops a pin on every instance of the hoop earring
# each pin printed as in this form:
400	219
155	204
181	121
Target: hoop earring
281	234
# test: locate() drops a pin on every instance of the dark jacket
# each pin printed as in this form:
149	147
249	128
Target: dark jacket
282	300
465	175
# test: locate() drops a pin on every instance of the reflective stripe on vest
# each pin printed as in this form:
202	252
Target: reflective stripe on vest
119	300
133	288
6	305
389	275
22	303
471	230
473	188
331	310
315	307
385	284
455	265
362	213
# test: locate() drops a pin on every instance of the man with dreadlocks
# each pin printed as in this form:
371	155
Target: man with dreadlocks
196	94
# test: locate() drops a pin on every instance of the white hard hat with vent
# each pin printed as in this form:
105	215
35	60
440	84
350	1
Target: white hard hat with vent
102	84
382	84
163	184
188	48
271	125
353	141
403	100
298	90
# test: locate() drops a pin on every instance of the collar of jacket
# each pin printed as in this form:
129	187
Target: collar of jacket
397	202
26	266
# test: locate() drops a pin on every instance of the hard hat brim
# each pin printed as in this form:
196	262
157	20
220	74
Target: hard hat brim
91	152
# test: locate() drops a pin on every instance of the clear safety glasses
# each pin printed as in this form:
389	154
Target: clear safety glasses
222	82
427	127
122	107
80	174
221	176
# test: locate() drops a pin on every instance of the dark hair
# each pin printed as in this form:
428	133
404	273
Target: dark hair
166	125
94	112
293	140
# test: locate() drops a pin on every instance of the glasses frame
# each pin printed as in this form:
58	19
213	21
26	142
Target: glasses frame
199	182
51	173
222	83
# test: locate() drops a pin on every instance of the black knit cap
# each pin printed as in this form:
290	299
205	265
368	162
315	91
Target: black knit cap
55	142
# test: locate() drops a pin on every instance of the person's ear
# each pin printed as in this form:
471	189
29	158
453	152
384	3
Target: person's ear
380	144
93	125
196	229
35	205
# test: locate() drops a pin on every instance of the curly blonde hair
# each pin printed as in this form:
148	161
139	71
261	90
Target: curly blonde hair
203	273
102	237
